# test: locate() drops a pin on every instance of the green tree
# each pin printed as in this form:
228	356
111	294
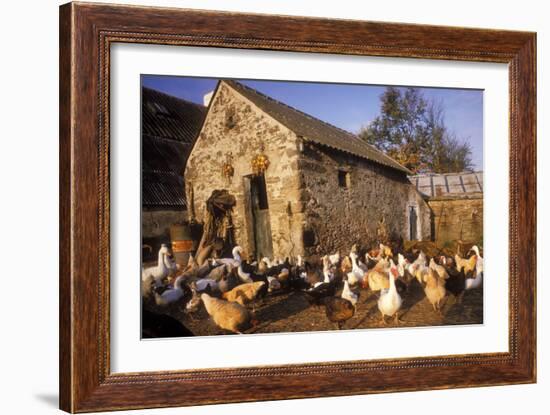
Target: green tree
411	130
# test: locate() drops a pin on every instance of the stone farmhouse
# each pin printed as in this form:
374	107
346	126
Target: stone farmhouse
302	186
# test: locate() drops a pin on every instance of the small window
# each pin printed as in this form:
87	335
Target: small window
309	238
343	179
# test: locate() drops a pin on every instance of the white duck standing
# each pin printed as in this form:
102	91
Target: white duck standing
390	301
160	271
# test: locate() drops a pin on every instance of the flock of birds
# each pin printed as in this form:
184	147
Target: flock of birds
231	288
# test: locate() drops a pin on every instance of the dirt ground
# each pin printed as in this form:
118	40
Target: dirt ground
291	312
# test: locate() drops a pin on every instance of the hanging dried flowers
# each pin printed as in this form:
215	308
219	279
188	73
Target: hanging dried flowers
259	163
227	168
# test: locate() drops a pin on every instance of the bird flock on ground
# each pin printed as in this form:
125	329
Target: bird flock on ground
231	288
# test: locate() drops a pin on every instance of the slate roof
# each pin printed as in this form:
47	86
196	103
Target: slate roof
449	185
170	126
315	130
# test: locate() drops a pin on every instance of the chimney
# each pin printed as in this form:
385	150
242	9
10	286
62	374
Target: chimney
207	97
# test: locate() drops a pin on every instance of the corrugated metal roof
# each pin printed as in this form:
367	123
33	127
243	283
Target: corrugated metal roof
315	130
170	117
449	184
169	128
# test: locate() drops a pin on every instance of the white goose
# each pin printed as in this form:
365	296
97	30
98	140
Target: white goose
160	271
390	301
235	261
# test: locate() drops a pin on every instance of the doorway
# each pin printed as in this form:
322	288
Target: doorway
413	223
261	224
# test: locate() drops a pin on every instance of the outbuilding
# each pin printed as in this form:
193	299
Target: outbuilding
456	201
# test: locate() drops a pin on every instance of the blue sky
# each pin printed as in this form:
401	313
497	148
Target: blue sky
344	105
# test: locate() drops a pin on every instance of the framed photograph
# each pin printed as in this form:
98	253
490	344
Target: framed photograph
255	207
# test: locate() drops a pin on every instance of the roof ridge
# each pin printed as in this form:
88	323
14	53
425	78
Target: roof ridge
292	108
355	139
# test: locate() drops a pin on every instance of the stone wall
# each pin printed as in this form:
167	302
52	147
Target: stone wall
458	218
341	214
155	223
235	126
155	229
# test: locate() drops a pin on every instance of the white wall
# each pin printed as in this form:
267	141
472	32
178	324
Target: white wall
28	223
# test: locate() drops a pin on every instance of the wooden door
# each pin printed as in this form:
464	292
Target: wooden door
261	225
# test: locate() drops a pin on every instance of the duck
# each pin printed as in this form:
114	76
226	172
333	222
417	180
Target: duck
274	284
390	301
206	284
348	294
218	272
244	276
159	272
235	261
316	294
174	294
228	281
358	270
171	264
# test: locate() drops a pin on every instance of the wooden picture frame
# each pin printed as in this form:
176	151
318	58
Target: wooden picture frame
86	33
